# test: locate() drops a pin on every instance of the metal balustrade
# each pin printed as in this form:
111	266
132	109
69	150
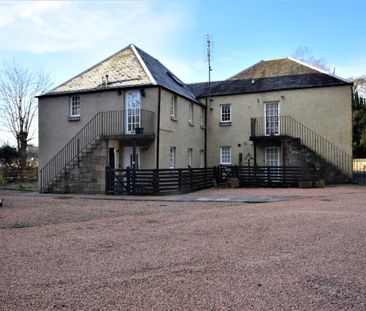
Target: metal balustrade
288	126
120	122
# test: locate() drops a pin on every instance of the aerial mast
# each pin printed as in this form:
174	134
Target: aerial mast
209	66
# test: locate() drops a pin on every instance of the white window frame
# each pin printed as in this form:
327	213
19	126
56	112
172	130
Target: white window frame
202	158
268	150
223	149
190	113
75	100
189	157
173	107
272	119
202	119
172	154
225	120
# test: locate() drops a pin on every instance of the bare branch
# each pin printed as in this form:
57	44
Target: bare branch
18	103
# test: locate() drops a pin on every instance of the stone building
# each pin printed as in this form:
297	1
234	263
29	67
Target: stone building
129	110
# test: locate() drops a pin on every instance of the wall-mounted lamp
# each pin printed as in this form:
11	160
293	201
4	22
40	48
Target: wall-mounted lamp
119	92
142	92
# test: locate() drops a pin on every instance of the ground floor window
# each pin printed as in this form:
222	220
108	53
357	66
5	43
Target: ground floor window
189	160
172	157
202	159
272	156
225	155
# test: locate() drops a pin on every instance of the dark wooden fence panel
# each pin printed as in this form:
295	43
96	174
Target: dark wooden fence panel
162	181
167	181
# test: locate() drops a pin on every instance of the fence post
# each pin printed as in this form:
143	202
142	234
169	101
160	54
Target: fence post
191	178
128	179
179	180
155	181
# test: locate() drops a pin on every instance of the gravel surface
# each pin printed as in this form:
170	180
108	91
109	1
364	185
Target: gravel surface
70	253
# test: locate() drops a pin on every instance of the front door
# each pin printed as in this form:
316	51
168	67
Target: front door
272	156
132	112
272	118
128	157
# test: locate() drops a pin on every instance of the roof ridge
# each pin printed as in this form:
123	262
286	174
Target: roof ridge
142	63
317	69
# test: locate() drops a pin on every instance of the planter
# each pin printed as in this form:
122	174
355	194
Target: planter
139	130
305	184
319	183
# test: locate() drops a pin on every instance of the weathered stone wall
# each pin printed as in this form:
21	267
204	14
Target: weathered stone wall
296	154
88	175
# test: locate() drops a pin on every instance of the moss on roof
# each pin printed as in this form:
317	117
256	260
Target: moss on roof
274	68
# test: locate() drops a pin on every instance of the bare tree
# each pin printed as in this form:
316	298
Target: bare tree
305	54
18	103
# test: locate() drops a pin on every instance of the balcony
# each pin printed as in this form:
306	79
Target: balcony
129	125
273	128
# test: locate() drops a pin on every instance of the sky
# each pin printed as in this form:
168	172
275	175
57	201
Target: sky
65	38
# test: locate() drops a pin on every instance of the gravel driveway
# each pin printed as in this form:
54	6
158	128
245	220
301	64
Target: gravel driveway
72	253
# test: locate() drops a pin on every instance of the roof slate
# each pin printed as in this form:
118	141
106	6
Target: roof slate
164	77
229	87
124	69
274	68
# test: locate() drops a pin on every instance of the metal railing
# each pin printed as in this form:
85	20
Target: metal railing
103	123
288	126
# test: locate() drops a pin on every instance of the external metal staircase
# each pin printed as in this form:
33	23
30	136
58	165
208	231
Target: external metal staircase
287	126
103	124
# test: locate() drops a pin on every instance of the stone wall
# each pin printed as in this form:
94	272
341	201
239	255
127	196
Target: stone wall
88	174
297	154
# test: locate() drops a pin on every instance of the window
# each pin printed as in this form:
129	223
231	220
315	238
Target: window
225	155
190	113
202	119
172	157
75	106
190	152
225	113
202	159
272	156
272	118
133	112
173	107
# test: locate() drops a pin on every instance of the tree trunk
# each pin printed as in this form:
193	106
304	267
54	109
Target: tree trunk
22	145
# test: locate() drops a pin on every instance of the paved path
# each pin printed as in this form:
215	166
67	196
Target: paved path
188	197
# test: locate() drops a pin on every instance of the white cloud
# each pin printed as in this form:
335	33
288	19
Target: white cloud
50	26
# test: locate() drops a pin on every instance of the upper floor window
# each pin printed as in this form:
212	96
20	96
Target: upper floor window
190	113
225	155
172	157
202	118
173	107
225	113
75	106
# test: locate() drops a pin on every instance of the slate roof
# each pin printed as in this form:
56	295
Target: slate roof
298	81
275	68
128	67
164	77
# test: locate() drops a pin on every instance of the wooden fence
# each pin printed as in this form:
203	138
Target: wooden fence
162	181
165	181
13	174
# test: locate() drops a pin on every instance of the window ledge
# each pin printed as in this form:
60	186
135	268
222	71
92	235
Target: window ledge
225	123
173	118
71	119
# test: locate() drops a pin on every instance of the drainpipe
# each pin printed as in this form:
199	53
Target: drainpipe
158	130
